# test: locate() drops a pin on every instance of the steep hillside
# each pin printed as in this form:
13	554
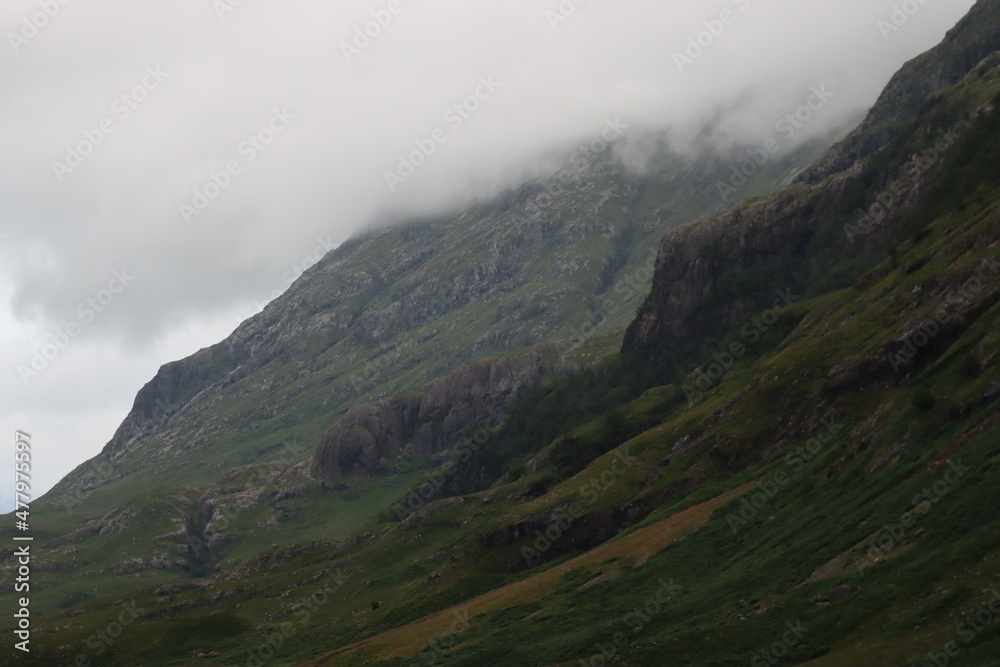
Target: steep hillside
242	445
975	37
825	498
784	451
565	259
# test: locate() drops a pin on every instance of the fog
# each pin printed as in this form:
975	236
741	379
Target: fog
171	166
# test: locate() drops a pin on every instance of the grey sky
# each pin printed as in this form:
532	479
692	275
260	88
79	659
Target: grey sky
115	116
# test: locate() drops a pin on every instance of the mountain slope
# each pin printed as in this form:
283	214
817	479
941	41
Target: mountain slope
974	38
395	308
792	458
801	510
215	461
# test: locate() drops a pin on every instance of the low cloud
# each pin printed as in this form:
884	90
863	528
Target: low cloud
118	115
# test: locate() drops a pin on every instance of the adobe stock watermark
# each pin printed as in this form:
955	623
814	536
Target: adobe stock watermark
900	16
374	368
785	129
100	642
715	28
433	652
455	117
972	625
31	26
319	251
462	452
564	519
885	540
752	331
99	471
751	504
559	182
902	358
634	284
224	516
223	8
121	108
635	620
303	610
249	150
918	164
563	12
781	648
365	35
56	342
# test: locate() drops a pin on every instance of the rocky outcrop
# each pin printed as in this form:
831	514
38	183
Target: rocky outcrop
390	310
974	38
695	259
423	423
173	387
712	274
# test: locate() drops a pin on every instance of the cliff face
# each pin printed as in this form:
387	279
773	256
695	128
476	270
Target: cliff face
398	307
424	423
711	274
695	259
884	386
974	38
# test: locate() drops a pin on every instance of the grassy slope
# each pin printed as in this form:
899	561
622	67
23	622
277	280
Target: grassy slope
741	582
242	425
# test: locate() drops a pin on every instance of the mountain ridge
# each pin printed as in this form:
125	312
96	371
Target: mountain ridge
801	370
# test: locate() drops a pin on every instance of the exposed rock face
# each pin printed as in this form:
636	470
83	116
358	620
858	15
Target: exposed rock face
711	274
422	424
365	321
173	387
974	38
695	258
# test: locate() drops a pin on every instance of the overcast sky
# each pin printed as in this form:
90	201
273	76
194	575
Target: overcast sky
170	165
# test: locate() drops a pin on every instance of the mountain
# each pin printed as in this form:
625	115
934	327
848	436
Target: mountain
780	449
405	322
974	38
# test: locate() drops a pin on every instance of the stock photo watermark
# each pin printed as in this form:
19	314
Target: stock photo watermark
121	108
868	219
636	620
785	129
900	16
223	8
295	271
704	40
925	334
883	542
249	150
779	649
564	519
366	34
100	642
433	652
462	452
566	10
705	377
303	610
754	503
87	311
973	624
631	286
21	558
31	26
559	182
455	117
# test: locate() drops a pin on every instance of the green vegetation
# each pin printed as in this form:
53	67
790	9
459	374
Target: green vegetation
829	500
